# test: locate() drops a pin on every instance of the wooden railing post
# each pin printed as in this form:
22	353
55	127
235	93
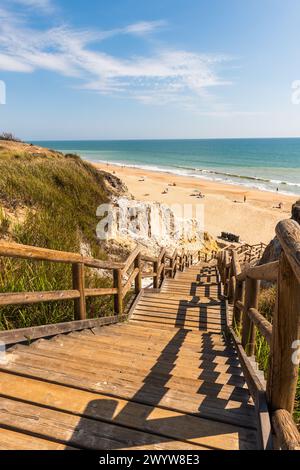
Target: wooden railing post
118	298
174	264
226	270
163	273
238	297
231	283
283	371
78	284
138	279
155	271
251	301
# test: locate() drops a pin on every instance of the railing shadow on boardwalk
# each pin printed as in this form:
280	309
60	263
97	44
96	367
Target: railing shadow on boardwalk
195	301
149	396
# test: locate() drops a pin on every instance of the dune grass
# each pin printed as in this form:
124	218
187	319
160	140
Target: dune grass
58	197
267	299
266	307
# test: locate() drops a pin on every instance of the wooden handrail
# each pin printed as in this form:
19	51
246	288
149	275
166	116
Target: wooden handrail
241	287
130	259
14	250
264	272
262	324
288	234
79	293
288	437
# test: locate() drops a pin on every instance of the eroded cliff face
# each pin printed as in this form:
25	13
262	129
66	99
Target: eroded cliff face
152	226
273	250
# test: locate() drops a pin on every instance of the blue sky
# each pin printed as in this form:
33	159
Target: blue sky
125	69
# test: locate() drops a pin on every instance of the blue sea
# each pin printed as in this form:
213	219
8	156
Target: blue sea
266	164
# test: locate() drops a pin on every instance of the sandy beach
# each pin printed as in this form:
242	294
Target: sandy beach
224	206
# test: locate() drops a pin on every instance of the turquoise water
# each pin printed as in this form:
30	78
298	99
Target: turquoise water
267	164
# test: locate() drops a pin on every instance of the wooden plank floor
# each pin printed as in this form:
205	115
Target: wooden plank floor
165	380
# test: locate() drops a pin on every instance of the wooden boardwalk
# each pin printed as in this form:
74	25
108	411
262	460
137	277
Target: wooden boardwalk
166	379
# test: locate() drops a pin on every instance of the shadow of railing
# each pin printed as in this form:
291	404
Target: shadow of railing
151	417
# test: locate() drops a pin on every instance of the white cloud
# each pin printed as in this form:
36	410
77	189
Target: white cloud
42	5
144	27
165	76
10	64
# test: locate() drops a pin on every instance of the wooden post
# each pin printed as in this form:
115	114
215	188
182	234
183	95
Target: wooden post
223	258
231	283
226	273
78	284
163	273
174	265
283	371
118	298
238	296
138	279
155	278
249	329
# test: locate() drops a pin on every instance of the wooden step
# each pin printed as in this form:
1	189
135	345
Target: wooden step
157	341
57	371
166	366
80	432
13	440
192	317
209	381
162	423
167	363
190	325
166	379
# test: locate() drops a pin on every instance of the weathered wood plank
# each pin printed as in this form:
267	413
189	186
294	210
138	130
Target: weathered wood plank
288	232
264	272
287	434
82	432
12	440
283	373
78	277
14	250
262	324
131	258
24	298
165	423
35	332
228	411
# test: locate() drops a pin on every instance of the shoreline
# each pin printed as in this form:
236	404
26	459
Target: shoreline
224	207
200	176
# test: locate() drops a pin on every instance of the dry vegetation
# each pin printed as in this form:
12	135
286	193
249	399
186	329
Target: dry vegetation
47	200
266	307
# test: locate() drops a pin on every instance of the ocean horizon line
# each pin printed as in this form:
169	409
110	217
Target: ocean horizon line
264	164
138	139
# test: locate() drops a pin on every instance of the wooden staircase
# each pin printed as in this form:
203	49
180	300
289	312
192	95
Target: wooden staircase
192	300
171	374
166	380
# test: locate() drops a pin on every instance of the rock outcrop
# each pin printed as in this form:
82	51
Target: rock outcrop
152	226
